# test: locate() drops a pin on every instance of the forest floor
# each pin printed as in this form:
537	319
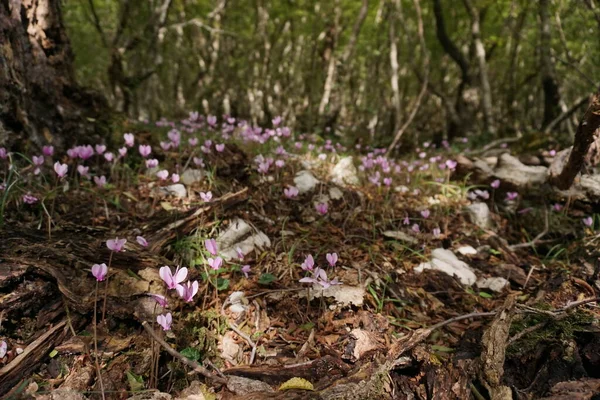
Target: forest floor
430	296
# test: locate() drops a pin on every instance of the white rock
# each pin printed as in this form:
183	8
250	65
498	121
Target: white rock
344	173
335	193
494	284
445	261
401	189
191	176
177	190
241	234
229	348
479	214
343	294
305	181
467	250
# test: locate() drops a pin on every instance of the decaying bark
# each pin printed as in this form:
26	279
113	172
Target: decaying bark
549	83
583	140
40	99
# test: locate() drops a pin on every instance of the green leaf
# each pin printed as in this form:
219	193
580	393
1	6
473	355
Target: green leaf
442	349
53	353
266	279
191	353
136	383
485	295
222	283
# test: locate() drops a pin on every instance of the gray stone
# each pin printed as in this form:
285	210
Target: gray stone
305	181
344	173
177	190
191	176
479	214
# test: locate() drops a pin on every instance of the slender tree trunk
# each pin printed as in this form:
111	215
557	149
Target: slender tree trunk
40	100
549	82
484	82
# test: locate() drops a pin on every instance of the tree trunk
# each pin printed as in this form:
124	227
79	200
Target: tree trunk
549	83
484	82
40	100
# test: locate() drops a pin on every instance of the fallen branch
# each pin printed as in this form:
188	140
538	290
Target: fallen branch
583	140
192	364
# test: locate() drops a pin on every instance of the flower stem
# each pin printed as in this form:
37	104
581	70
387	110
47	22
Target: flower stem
96	343
106	287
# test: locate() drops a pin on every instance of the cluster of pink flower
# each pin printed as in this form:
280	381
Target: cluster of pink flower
319	275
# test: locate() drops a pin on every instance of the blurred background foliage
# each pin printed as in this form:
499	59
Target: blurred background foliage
359	68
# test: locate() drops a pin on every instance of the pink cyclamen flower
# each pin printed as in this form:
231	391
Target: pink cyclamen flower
29	199
165	321
3	153
116	244
279	163
175	178
451	164
85	152
99	271
152	163
100	181
48	151
557	207
406	221
129	139
246	270
588	221
215	263
211	246
511	195
425	214
38	161
206	197
495	184
3	348
199	162
142	241
161	300
109	156
100	148
416	228
61	169
162	174
308	264
212	120
188	290
144	150
482	193
276	121
387	181
332	259
193	141
240	253
83	171
172	279
322	208
290	192
220	147
123	151
165	145
436	232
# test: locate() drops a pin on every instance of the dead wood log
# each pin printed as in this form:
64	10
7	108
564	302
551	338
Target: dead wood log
27	362
583	140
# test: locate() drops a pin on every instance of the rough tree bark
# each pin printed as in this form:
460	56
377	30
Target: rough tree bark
460	119
584	137
40	100
549	82
484	82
